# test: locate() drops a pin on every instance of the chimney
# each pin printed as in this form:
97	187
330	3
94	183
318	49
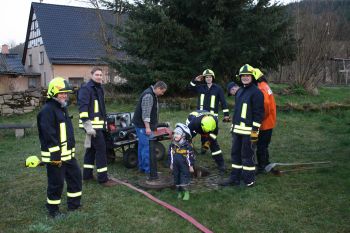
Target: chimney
5	49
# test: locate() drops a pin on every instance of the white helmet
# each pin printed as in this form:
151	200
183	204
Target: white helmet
184	129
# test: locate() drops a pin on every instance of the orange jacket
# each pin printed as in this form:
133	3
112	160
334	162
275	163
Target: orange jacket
269	120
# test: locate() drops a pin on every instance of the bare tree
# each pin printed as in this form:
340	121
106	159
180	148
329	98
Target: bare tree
314	34
110	41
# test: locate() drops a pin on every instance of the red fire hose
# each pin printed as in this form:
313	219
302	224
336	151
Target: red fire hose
168	206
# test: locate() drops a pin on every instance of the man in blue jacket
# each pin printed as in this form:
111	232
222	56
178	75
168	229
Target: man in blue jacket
248	115
57	141
210	95
92	114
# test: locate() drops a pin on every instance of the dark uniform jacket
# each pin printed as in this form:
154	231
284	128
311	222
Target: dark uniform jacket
209	98
249	110
137	119
55	133
92	105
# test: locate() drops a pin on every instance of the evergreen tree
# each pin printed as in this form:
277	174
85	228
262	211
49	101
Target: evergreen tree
174	40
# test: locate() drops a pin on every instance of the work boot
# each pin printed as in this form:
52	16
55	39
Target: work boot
260	170
219	160
109	183
228	182
75	208
186	196
222	170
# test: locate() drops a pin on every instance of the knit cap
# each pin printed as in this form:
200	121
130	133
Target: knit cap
230	86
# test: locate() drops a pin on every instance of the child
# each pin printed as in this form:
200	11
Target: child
181	160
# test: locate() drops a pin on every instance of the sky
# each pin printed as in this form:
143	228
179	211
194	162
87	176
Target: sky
15	14
14	18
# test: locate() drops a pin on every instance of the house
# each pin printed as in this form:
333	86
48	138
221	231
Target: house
12	73
68	41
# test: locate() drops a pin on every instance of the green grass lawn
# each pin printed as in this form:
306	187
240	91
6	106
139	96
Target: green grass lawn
339	95
310	201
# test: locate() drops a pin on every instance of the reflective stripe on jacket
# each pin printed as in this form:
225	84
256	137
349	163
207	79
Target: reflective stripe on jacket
92	105
249	110
209	98
56	133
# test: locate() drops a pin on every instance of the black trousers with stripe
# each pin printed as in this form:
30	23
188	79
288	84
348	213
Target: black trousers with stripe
97	153
70	172
242	154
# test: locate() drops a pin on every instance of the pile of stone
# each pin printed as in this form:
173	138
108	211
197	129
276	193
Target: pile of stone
20	102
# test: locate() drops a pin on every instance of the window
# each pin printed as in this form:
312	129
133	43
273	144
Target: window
30	58
35	38
33	82
45	80
76	81
41	58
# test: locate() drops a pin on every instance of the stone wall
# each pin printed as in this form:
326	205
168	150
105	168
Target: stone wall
20	102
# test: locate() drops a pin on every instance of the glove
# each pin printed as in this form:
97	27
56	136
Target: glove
87	142
254	136
226	119
206	145
88	128
56	163
231	128
171	167
191	169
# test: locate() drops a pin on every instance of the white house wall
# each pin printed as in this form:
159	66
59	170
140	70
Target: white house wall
44	69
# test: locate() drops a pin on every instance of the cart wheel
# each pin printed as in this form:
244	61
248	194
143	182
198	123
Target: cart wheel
110	156
160	150
130	158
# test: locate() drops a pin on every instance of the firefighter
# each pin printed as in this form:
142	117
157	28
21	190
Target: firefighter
248	114
209	97
206	124
268	122
58	148
92	114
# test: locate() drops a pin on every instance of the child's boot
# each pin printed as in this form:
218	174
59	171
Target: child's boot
186	196
179	194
